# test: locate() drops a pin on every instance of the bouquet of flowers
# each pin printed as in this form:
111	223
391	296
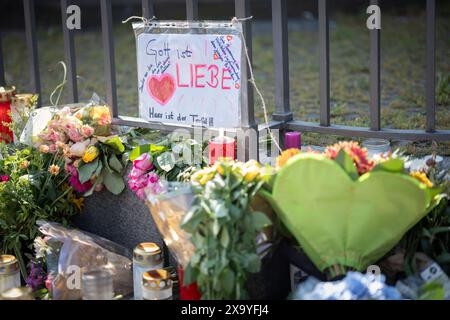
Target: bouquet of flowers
345	210
168	160
32	186
93	156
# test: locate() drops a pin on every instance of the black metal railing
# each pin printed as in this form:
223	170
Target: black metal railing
282	116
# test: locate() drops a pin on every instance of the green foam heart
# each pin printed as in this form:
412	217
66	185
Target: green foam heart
340	221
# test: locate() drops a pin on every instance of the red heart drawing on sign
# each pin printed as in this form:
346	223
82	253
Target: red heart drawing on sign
229	37
161	87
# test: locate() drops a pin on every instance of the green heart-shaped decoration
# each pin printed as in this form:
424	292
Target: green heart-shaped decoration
341	221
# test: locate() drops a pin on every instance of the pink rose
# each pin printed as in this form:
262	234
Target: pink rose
75	135
4	178
136	173
153	177
87	131
138	183
144	162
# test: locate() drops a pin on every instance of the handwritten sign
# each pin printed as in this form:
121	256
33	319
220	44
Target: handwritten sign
191	79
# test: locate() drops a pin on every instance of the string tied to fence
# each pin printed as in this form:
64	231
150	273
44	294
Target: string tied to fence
144	20
252	80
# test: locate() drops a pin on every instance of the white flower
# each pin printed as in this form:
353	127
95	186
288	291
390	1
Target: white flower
79	148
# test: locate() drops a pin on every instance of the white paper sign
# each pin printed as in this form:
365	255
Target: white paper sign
191	79
36	124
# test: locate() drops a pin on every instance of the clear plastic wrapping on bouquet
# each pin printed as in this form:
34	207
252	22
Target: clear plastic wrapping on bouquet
189	72
81	251
168	208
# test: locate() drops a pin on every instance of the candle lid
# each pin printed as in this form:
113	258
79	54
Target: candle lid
22	97
8	264
222	140
158	279
23	293
147	253
6	93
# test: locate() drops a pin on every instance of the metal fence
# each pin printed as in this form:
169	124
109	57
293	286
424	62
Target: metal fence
282	117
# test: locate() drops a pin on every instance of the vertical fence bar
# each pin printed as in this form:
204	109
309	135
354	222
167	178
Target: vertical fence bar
324	56
281	60
431	66
2	66
248	124
148	10
192	9
375	76
242	8
108	47
69	55
31	39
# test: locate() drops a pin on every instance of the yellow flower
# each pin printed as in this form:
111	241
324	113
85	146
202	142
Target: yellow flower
422	177
54	169
285	156
90	154
220	169
203	176
251	173
78	202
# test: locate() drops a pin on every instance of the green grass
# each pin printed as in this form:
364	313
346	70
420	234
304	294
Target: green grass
402	75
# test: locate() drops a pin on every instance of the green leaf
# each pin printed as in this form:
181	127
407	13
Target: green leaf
166	161
86	170
224	238
145	148
260	220
116	144
253	263
115	164
391	165
189	275
432	291
346	162
215	227
113	182
228	280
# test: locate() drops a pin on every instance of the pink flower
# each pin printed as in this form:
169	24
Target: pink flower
4	178
138	182
153	177
87	131
77	185
136	173
70	169
53	148
75	135
143	163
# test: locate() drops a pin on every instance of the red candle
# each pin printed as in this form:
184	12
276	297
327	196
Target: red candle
6	95
221	147
189	292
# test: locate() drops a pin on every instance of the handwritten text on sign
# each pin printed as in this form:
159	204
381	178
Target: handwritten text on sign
190	79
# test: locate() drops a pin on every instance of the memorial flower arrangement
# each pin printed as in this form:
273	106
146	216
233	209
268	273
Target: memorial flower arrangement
169	160
33	186
334	204
223	228
93	156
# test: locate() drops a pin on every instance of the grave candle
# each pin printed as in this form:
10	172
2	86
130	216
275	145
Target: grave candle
221	146
292	140
6	94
